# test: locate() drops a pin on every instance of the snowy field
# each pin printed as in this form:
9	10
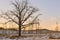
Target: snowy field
35	37
24	39
27	38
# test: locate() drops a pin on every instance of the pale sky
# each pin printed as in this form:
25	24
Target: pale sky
49	8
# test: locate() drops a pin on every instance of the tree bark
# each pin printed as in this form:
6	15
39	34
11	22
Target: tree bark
20	24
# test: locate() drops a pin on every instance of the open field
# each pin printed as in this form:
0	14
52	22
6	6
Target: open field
27	39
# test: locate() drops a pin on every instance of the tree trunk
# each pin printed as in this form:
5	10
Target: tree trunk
20	24
19	29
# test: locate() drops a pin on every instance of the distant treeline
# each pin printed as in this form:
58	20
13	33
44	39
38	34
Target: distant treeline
1	28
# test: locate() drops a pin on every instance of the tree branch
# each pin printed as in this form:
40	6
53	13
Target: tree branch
10	18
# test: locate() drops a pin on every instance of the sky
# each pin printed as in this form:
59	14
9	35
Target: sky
49	8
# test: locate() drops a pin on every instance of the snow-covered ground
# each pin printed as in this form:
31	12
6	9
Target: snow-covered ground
44	37
34	35
28	38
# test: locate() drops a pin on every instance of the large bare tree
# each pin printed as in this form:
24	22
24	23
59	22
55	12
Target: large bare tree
20	14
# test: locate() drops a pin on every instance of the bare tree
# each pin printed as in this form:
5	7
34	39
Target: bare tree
21	13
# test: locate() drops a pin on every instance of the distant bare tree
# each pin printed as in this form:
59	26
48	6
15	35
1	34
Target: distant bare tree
22	12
